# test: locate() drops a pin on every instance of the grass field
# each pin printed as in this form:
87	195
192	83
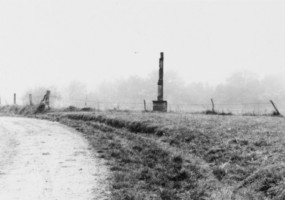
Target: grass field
186	156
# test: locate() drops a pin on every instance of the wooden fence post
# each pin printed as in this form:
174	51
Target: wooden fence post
31	99
144	105
47	98
276	110
213	106
15	100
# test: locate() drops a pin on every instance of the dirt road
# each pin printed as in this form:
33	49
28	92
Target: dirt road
42	160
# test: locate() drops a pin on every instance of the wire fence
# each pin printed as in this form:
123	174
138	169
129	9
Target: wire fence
254	108
234	108
242	108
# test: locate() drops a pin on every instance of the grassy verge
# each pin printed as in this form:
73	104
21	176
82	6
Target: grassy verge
175	156
244	154
141	169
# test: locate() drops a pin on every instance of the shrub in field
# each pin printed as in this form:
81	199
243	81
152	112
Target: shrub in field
41	108
87	109
210	112
70	109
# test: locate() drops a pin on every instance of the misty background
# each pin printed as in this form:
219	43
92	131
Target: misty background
243	91
97	53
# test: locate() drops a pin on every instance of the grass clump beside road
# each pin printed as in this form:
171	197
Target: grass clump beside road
17	110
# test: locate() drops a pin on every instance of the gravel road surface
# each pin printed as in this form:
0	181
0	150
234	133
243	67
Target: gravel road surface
43	160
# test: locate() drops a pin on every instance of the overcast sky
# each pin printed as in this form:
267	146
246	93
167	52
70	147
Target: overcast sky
56	41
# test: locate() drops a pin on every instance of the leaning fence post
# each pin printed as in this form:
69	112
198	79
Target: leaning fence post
144	105
277	111
31	99
15	102
213	106
48	97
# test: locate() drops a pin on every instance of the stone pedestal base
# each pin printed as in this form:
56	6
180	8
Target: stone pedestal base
160	106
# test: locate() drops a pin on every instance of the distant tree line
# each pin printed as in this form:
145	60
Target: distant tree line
240	87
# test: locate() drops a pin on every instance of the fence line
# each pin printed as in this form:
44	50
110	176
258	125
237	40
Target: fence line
143	105
253	108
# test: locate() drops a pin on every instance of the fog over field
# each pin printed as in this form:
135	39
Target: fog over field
107	51
174	99
242	90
